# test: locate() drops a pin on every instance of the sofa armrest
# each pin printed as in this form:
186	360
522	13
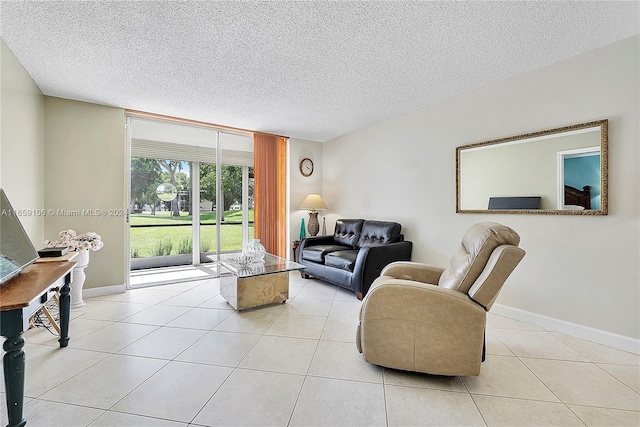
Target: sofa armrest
416	271
420	327
423	302
371	261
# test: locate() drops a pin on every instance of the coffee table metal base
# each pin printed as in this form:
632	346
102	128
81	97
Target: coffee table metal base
254	291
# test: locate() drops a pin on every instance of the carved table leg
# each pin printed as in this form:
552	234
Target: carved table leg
13	362
65	310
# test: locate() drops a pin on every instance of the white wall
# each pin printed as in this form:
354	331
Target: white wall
582	270
85	172
21	142
299	185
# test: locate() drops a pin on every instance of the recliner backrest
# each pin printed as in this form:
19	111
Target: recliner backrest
502	262
471	258
348	231
376	232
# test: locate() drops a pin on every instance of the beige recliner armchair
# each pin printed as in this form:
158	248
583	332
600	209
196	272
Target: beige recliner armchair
422	318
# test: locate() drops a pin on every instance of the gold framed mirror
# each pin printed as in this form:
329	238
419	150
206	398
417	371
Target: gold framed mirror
560	171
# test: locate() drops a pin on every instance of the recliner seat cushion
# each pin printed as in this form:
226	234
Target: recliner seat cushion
377	232
317	253
344	260
347	231
470	259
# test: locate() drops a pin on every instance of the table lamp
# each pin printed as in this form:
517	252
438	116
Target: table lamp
314	203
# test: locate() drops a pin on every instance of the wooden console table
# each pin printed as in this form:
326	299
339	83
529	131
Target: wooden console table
69	256
20	298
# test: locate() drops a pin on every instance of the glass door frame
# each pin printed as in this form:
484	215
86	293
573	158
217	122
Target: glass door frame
127	192
195	196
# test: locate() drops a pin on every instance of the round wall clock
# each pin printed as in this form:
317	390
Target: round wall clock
306	166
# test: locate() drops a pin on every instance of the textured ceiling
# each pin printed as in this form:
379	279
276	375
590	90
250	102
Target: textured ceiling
312	70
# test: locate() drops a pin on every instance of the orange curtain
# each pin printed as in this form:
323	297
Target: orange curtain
269	192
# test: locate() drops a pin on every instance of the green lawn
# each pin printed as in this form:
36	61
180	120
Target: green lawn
164	217
150	241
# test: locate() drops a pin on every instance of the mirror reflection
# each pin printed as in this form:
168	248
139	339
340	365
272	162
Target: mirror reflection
556	171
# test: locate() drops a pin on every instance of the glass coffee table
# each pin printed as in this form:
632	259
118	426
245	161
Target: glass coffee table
249	285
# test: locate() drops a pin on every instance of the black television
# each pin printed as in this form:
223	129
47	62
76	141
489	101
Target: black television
509	203
16	250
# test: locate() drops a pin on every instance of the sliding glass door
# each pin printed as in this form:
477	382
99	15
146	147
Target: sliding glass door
160	216
191	193
236	209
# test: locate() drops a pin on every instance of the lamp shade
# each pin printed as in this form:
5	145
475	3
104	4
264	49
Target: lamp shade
313	202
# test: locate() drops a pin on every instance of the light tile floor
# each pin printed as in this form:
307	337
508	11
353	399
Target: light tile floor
178	355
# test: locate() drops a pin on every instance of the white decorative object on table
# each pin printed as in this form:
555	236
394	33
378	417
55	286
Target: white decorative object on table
83	244
255	251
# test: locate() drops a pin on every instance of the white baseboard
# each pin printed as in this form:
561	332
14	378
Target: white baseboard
104	290
609	339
